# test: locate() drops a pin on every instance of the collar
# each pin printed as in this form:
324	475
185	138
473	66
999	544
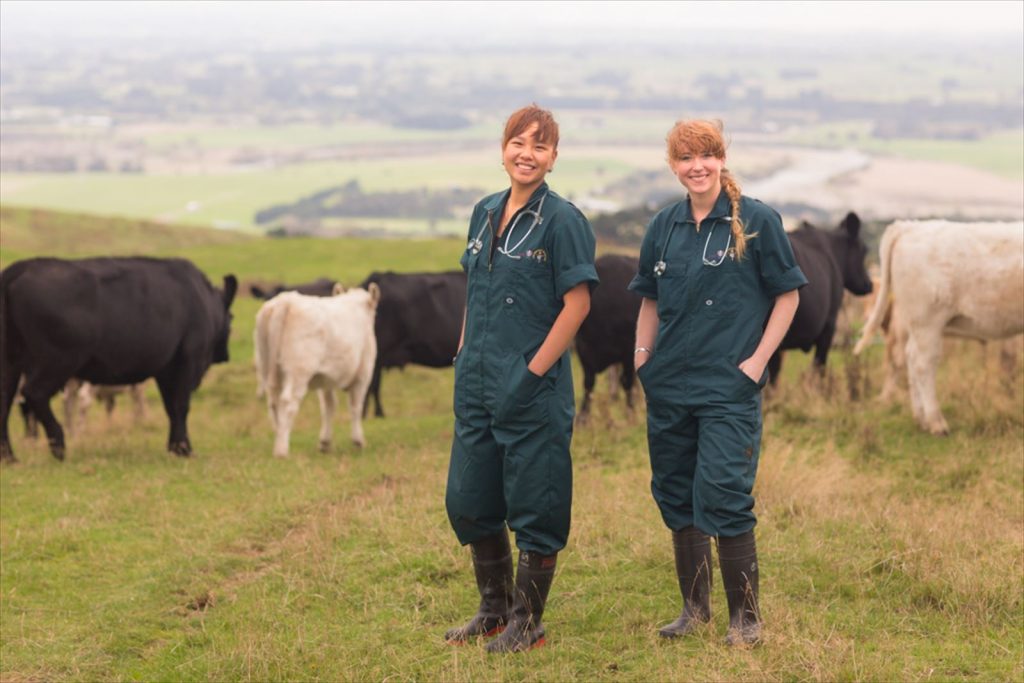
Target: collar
500	198
721	209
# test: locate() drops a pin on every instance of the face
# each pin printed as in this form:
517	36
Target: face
700	174
526	159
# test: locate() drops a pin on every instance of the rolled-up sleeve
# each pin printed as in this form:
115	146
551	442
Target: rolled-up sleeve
572	247
644	283
779	270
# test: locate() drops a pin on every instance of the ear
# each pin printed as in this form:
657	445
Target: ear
374	290
338	289
230	288
851	224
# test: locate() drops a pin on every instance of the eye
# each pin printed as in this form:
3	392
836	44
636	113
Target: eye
686	157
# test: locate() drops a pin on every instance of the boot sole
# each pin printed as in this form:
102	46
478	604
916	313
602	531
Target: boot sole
493	632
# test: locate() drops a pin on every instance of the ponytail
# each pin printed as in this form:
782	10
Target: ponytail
739	237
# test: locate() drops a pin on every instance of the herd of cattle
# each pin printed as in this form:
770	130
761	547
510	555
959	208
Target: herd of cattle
89	325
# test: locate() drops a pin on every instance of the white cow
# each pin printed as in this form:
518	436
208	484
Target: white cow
323	343
80	395
957	279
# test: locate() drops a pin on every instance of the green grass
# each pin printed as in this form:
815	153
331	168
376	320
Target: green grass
886	553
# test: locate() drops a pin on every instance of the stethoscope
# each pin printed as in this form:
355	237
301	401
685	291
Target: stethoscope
659	267
476	244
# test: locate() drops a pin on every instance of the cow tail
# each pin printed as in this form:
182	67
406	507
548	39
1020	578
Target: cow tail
882	302
260	350
274	330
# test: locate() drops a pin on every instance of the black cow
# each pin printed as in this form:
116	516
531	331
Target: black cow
108	321
319	287
419	319
607	336
831	260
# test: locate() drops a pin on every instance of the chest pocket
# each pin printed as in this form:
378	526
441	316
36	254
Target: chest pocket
720	290
531	287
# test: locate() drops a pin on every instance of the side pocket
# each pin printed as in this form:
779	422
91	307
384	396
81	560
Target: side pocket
522	398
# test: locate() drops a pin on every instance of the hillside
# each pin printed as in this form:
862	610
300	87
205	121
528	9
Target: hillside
28	232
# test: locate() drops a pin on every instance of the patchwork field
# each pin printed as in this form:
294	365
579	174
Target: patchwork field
221	176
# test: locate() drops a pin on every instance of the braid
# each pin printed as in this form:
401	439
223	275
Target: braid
732	189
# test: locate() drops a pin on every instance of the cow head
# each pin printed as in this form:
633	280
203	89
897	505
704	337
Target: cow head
852	251
220	343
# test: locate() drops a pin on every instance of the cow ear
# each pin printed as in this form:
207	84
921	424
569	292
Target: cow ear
230	288
338	289
374	290
852	225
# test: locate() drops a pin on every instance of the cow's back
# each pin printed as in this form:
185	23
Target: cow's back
419	317
327	337
121	319
966	277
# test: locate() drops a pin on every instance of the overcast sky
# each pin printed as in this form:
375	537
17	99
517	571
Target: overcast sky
292	23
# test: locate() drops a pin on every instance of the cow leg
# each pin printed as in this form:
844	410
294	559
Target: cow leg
1008	358
378	410
31	424
614	381
924	348
356	397
37	397
8	390
774	367
895	363
138	401
327	405
589	377
288	401
626	380
72	405
821	348
174	393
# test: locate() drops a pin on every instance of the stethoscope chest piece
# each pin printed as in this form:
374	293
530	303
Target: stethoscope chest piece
659	268
475	246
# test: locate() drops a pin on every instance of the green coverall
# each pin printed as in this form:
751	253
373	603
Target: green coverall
703	412
510	457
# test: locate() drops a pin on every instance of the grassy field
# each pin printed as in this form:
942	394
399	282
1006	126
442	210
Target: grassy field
887	554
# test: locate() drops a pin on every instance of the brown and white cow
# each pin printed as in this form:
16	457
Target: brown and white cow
323	343
946	278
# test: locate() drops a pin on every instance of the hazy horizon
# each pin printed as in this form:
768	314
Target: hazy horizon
281	24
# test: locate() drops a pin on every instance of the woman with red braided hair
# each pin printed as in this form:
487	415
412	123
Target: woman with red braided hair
719	285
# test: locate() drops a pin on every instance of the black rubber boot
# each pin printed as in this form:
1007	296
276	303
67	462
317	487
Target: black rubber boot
492	563
533	581
737	558
693	568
